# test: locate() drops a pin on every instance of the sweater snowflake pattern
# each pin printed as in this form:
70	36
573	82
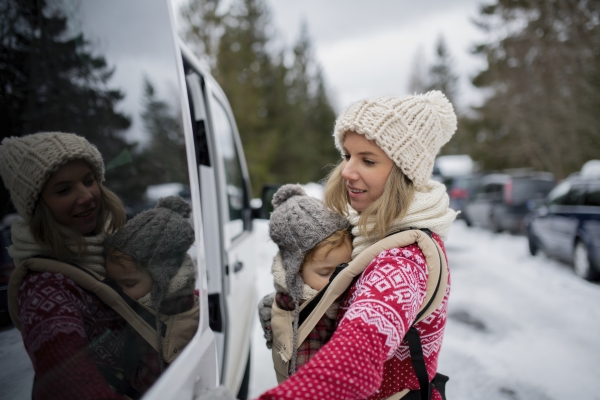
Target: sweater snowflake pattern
367	357
69	334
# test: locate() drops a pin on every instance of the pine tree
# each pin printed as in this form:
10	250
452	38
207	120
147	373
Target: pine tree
53	80
441	74
542	77
204	27
417	80
283	113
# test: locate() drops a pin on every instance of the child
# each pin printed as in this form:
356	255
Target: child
148	259
312	243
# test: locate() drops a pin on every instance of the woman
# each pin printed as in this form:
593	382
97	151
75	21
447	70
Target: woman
383	186
55	182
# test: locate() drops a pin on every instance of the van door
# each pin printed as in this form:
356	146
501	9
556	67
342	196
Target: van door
111	71
239	251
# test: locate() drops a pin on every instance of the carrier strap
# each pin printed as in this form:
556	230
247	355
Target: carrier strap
418	362
436	282
313	309
139	317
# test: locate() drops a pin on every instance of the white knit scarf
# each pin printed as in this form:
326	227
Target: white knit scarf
428	210
24	246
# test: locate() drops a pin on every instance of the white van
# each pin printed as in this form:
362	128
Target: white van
116	72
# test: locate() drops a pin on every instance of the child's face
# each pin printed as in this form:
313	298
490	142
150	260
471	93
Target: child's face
135	281
317	271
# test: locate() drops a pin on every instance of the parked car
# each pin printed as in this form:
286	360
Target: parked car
500	201
117	73
567	225
460	192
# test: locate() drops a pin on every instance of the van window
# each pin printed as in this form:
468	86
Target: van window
234	178
105	70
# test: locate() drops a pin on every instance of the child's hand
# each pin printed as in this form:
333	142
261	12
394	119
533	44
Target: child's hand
264	315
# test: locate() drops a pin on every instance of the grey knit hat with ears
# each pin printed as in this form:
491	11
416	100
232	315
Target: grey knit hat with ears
298	223
159	238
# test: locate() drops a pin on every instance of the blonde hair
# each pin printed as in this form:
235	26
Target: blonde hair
46	231
335	240
391	205
117	256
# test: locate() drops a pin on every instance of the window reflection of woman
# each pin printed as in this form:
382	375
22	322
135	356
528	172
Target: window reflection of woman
55	182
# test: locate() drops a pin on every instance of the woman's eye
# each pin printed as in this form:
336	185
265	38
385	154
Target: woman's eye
88	182
369	162
62	191
346	157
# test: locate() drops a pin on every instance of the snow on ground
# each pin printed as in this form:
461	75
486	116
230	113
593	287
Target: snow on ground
519	327
16	372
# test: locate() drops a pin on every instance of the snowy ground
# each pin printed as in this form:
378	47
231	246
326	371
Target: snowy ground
520	327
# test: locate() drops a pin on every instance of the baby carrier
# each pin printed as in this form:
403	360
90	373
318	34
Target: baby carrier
178	330
313	309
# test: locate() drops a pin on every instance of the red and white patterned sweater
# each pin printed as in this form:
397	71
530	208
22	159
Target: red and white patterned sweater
366	358
68	333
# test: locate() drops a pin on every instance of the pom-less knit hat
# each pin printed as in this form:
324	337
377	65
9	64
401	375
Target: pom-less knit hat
27	162
410	129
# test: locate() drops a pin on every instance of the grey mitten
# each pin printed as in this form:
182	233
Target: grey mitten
218	393
264	315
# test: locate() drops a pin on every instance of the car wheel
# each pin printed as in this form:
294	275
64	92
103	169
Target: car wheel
581	262
245	387
496	226
467	220
533	247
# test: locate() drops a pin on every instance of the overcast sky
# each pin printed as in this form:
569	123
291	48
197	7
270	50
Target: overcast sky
367	47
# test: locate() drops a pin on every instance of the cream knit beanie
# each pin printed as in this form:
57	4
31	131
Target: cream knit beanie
409	129
27	162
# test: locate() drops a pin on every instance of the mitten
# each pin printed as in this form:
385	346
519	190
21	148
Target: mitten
264	315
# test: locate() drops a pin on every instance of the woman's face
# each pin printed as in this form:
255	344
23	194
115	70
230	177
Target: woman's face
73	196
365	170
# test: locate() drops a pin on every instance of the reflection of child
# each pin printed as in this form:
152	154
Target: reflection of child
148	259
312	243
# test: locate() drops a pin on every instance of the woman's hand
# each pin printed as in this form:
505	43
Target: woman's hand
264	315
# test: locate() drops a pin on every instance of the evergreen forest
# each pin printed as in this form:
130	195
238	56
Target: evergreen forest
541	87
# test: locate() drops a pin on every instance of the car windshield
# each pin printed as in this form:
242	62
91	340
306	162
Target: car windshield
529	189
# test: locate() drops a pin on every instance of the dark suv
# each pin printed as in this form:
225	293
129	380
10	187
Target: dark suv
501	201
567	225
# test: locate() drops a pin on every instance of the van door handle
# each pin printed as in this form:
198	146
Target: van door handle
237	267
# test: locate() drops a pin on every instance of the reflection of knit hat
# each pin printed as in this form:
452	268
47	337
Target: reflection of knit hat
27	162
299	223
410	129
159	237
